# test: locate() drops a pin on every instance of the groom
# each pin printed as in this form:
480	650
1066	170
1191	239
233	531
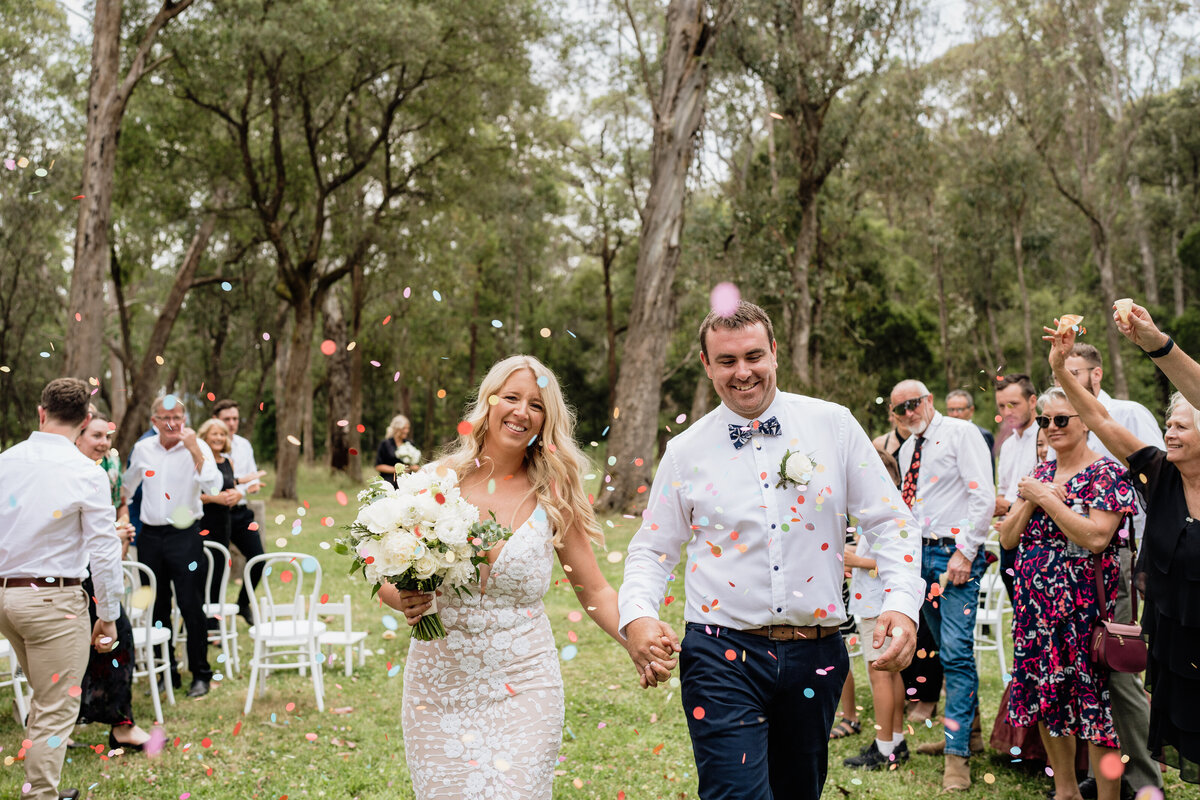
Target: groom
762	661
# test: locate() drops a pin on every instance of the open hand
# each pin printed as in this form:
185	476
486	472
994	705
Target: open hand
1060	345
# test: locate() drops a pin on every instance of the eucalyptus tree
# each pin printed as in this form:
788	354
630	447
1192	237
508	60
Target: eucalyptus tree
109	89
321	103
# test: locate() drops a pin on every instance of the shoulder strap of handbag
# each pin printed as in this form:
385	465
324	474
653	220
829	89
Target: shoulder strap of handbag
1098	568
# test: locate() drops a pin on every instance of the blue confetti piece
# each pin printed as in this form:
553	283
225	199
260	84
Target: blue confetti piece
44	354
192	566
390	623
703	521
604	432
437	295
12	501
569	652
573	336
542	381
309	564
227	286
169	402
539	514
809	693
394	671
54	741
497	323
272	716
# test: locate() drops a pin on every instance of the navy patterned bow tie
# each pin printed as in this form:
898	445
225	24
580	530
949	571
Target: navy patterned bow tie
740	434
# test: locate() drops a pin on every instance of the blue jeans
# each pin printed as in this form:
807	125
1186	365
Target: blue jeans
951	620
765	710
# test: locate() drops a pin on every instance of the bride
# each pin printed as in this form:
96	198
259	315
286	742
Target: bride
483	708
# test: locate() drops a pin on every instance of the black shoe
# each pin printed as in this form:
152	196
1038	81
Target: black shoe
869	758
113	744
1087	788
900	754
199	688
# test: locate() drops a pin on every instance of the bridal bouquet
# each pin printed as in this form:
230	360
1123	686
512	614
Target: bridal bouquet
408	454
420	535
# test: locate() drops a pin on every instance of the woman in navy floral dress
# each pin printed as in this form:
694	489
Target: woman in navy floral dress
1069	508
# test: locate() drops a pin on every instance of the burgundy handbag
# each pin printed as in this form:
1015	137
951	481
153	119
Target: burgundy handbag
1116	646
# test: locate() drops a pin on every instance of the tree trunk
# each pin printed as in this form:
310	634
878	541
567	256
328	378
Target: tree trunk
701	398
108	95
1018	234
1177	225
357	300
800	299
308	446
119	404
289	400
1143	240
610	324
145	385
340	415
85	333
1108	289
939	276
678	111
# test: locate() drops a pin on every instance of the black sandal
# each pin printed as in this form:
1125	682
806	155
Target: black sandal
844	728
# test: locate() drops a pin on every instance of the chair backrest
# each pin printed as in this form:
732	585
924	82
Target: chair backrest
331	608
215	553
140	589
289	588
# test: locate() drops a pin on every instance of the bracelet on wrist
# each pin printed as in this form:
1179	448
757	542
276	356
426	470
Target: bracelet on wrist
1162	351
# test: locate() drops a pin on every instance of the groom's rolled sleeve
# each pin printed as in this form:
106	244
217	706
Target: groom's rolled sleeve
885	521
654	550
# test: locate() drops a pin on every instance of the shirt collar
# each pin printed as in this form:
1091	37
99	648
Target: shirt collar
45	439
733	418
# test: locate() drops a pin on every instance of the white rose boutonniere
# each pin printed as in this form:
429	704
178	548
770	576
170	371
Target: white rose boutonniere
796	469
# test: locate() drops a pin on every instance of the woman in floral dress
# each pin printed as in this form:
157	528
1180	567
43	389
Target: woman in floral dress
1068	509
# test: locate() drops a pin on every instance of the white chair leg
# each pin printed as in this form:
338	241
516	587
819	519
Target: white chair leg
318	685
254	661
349	666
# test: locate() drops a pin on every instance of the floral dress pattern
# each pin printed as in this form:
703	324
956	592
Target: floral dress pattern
1055	607
483	708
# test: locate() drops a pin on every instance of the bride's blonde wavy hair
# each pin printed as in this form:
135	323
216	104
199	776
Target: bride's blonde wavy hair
554	462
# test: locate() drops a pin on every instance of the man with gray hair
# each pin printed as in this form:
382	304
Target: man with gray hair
948	485
174	468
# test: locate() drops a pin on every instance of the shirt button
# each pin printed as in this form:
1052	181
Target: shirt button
777	568
772	526
779	611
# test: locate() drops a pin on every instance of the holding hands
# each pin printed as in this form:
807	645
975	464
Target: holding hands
652	646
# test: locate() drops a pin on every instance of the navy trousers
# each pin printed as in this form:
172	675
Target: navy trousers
176	557
759	711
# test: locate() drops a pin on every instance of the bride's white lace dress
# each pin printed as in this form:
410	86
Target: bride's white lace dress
483	708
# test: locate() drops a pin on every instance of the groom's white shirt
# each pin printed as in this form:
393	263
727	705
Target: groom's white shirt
759	555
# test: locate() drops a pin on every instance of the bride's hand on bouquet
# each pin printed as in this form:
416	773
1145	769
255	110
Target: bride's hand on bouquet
412	604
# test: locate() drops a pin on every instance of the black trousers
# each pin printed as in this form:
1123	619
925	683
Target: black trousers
250	544
759	711
923	677
176	557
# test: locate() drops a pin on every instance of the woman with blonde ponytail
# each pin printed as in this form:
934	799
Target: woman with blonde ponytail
483	707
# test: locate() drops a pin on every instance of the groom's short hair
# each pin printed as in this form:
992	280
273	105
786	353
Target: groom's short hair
745	315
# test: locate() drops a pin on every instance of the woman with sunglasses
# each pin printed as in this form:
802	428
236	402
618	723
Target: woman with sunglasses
1067	509
1168	567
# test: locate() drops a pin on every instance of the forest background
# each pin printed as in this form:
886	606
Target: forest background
338	211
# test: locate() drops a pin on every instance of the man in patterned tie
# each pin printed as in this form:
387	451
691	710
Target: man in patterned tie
761	490
948	484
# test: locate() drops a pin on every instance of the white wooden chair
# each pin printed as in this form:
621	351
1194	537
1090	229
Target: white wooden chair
285	632
990	628
15	679
345	636
151	644
226	614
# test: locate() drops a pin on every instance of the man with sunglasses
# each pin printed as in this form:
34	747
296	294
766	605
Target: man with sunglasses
948	485
1130	709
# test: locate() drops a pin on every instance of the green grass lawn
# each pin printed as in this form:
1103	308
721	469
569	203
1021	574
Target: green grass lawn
618	740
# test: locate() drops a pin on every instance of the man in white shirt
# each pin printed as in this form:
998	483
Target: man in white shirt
761	490
243	531
948	484
1016	400
56	515
1130	709
173	469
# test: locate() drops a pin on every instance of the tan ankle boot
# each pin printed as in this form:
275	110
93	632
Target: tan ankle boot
976	744
957	775
932	748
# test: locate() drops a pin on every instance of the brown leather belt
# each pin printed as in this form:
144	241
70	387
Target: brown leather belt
39	583
792	633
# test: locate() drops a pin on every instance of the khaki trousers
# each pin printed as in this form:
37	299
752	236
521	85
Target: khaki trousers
49	630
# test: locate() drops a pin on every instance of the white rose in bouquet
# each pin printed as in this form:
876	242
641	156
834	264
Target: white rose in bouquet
426	565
